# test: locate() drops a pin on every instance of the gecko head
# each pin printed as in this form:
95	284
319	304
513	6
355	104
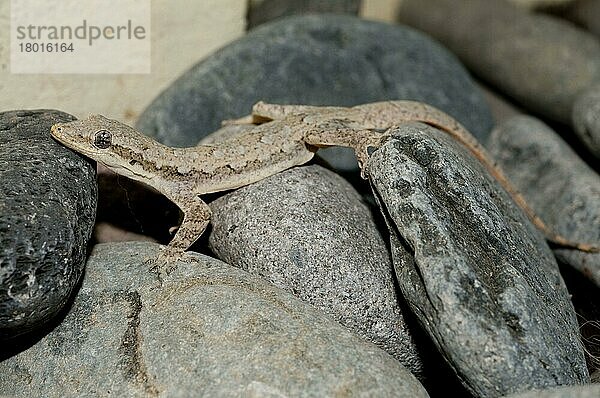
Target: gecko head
97	137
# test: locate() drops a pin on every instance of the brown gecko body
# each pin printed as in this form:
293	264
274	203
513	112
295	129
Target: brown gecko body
285	136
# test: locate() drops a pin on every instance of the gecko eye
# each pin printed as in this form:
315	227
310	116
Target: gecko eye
102	139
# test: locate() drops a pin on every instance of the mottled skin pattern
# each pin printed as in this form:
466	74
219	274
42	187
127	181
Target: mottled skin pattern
365	125
284	136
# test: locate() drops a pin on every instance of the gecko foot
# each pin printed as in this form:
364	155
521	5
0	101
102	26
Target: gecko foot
165	262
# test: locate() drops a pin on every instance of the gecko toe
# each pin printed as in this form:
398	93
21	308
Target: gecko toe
165	262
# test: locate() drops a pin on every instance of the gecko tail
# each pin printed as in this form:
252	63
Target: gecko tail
563	243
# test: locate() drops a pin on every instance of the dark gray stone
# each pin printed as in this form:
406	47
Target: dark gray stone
319	60
586	119
48	197
541	61
479	277
583	391
307	231
262	11
559	186
211	330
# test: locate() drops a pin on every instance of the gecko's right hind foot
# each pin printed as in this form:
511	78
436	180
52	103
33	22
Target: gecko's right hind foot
363	153
362	158
368	144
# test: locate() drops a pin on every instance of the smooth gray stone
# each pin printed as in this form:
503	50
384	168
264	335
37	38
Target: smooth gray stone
210	330
586	119
583	391
48	197
560	187
307	231
481	280
318	60
262	11
543	62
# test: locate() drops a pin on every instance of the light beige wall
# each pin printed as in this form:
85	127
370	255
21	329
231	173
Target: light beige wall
182	31
386	10
380	10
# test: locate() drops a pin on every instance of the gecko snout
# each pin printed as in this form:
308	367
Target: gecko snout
58	131
56	128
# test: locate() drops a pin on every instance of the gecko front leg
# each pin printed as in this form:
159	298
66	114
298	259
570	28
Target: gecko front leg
196	216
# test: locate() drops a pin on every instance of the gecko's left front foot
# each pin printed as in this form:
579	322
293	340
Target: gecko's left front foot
196	215
165	262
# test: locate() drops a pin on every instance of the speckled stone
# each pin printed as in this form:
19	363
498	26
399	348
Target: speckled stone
319	60
583	391
543	62
210	330
480	278
306	230
561	188
48	199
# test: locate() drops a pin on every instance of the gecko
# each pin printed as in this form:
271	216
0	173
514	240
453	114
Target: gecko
283	136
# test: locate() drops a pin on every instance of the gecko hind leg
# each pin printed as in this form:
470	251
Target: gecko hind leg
196	216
